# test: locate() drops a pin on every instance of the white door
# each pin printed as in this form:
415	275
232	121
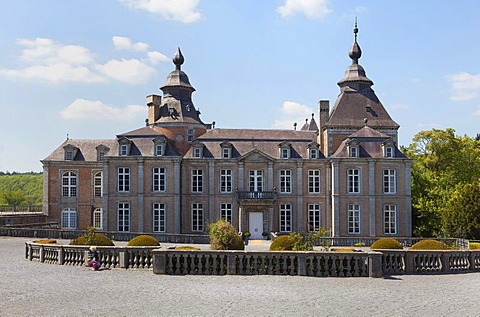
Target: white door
255	225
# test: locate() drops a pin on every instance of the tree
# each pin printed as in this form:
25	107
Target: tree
462	215
12	197
223	236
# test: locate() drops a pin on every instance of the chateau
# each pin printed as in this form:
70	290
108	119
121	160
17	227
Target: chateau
342	171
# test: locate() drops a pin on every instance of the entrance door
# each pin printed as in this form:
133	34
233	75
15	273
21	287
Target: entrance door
255	225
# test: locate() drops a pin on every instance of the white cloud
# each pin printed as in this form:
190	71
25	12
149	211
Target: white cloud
292	112
175	10
82	109
127	70
51	61
124	43
477	113
465	86
310	8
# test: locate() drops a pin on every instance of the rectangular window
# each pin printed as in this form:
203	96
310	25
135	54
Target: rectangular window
389	151
390	218
190	135
389	181
69	184
123	183
197	181
123	150
353	221
98	218
313	217
101	156
285	218
68	156
226	181
285	153
98	184
159	217
285	181
159	150
225	152
353	181
313	153
197	217
353	151
313	181
123	217
159	179
69	218
256	181
197	152
226	212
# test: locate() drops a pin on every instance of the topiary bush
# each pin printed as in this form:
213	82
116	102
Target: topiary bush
429	244
223	236
474	246
187	248
282	243
98	239
143	241
46	241
386	244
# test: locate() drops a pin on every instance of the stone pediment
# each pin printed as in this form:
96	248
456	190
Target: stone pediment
256	156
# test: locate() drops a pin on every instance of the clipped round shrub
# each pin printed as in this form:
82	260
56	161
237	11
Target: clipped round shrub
429	244
237	243
282	243
223	236
46	241
386	244
143	241
99	239
187	248
474	246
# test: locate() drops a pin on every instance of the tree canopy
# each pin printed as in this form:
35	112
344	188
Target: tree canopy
21	188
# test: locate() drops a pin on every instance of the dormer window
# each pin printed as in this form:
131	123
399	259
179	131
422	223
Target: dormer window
159	150
101	156
124	146
197	152
284	149
101	152
160	145
313	150
68	155
70	152
388	151
226	150
313	153
388	148
353	151
123	150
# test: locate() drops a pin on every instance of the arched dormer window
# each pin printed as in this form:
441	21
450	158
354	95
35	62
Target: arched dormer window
102	150
284	149
353	148
70	152
388	148
313	150
124	145
226	150
160	145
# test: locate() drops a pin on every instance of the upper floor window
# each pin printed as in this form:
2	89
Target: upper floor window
314	219
389	181
197	152
68	155
353	219
255	180
353	151
226	181
123	220
314	181
197	217
353	181
197	181
69	218
101	156
285	181
123	179
123	150
159	150
226	212
159	179
285	217
226	152
388	151
313	153
69	184
98	218
190	134
160	144
390	219
159	214
98	184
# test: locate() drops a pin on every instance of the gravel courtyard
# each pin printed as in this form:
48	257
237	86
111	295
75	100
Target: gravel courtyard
38	289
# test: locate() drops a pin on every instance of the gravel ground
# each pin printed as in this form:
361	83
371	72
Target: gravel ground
38	289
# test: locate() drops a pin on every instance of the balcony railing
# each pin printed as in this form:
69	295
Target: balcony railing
256	195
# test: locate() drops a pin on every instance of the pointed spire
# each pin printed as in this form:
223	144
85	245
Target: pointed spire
178	59
355	52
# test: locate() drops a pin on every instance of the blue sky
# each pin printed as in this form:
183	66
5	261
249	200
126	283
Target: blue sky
84	68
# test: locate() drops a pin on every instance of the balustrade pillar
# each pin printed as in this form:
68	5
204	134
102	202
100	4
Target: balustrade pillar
159	262
471	259
302	266
61	256
445	260
375	264
231	264
409	262
124	258
42	254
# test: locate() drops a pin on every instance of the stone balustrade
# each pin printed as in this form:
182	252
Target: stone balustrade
110	257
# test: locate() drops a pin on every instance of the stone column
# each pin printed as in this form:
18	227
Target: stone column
299	195
45	205
335	200
371	198
177	179
106	184
240	183
140	195
328	195
211	191
408	199
270	177
240	218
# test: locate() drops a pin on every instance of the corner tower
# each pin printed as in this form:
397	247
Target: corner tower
356	102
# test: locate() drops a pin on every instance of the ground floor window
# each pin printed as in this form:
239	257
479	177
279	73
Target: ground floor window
159	217
197	217
353	223
226	212
313	217
69	218
390	218
123	216
285	218
98	218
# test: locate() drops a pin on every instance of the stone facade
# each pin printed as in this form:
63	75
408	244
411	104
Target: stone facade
178	174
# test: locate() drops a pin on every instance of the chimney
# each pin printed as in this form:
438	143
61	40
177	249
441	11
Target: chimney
324	113
153	103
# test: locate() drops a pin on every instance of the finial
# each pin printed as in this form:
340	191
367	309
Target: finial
178	59
306	121
355	30
355	52
294	126
366	121
313	114
67	136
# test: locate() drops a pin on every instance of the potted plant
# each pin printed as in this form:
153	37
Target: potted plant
265	235
246	236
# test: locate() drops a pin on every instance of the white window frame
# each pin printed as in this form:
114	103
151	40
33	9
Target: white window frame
313	153
159	217
284	153
190	134
390	219
69	184
226	181
123	150
389	181
353	219
197	217
226	152
69	218
98	184
159	179
314	177
353	181
123	179
197	152
197	181
226	212
98	218
389	151
123	216
286	217
314	217
285	181
159	149
353	151
255	180
68	156
101	156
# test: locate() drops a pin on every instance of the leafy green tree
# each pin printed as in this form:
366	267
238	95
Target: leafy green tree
223	236
462	215
12	197
30	184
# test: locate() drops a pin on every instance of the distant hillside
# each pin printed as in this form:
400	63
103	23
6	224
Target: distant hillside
31	185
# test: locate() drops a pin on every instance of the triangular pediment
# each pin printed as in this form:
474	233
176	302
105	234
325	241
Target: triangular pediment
256	156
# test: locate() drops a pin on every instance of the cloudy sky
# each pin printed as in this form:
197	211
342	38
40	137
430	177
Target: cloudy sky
84	68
